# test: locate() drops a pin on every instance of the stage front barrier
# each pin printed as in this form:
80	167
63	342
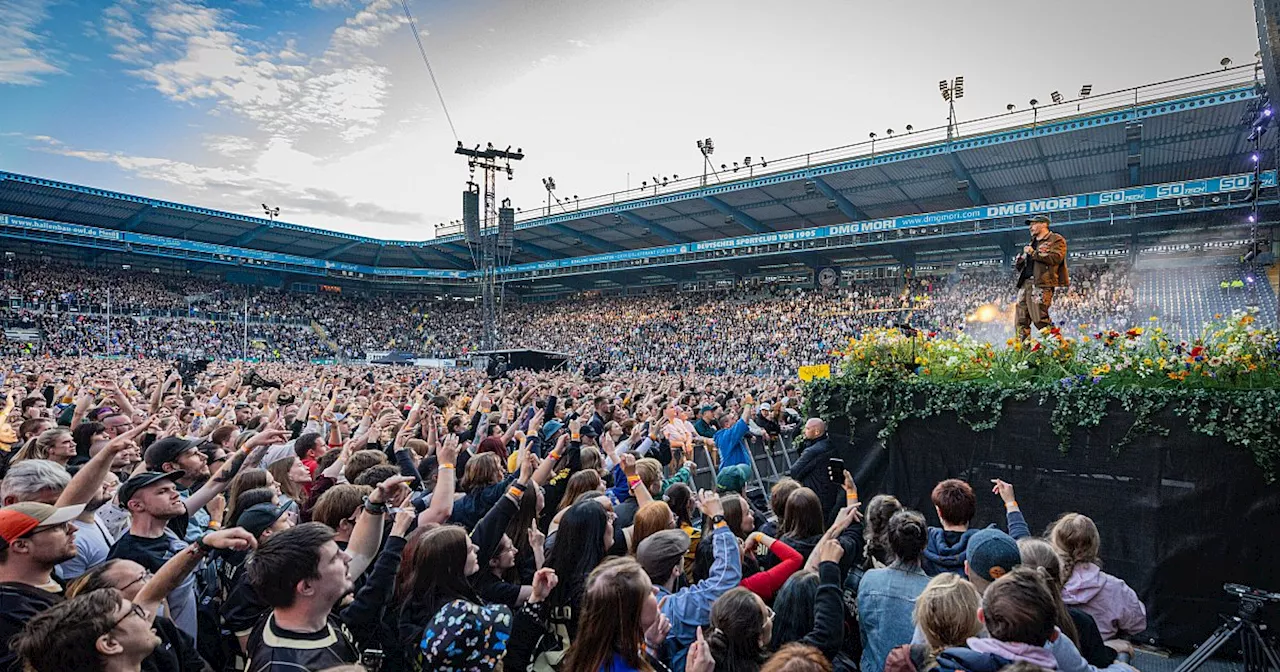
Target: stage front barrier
1179	515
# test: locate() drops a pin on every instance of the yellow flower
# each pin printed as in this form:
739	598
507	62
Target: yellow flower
1153	318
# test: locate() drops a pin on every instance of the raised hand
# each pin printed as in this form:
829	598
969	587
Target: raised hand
544	581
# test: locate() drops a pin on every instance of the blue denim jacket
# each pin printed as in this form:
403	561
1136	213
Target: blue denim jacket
886	599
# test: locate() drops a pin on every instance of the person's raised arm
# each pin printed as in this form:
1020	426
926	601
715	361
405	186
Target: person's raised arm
366	536
88	481
635	483
171	575
1017	524
446	481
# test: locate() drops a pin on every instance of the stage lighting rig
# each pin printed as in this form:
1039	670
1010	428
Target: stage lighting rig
488	252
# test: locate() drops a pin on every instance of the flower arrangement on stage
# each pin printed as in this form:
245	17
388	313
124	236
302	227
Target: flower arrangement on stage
1224	383
1232	352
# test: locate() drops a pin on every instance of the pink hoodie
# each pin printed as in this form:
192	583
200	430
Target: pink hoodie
1110	601
1014	651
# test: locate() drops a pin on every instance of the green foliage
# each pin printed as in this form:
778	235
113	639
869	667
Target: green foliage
1247	419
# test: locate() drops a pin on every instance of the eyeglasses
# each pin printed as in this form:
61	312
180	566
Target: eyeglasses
768	614
145	576
135	609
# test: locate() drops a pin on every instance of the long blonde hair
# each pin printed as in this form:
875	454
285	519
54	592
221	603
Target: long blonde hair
1075	538
947	611
38	447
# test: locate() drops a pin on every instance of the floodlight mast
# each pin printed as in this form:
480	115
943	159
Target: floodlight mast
485	249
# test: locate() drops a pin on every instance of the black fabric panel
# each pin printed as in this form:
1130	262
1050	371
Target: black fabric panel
1178	515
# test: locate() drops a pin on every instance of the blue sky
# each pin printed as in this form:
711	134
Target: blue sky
324	107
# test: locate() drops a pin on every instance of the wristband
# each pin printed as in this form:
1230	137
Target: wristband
202	548
717	519
633	482
1009	506
214	525
575	437
553	455
375	508
720	525
446	465
518	488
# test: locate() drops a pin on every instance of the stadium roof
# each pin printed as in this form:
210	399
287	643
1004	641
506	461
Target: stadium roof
1183	129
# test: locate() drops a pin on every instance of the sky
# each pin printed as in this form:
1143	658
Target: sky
325	109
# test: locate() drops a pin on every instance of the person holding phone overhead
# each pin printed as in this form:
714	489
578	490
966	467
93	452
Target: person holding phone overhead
814	468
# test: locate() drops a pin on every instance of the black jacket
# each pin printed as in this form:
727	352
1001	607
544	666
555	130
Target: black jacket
813	472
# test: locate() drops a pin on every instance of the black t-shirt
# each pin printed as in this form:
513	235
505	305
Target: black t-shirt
274	649
1027	264
176	652
19	603
152	554
494	590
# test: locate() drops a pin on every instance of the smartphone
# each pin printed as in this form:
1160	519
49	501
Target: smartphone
835	466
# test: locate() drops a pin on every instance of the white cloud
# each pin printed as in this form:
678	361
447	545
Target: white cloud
23	60
273	176
192	53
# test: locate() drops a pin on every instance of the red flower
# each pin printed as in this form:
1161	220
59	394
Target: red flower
1197	351
1035	346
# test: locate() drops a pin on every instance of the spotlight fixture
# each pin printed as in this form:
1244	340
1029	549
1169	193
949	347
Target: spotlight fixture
1086	90
271	213
1056	97
810	187
910	128
889	132
1010	107
873	135
1225	62
1034	102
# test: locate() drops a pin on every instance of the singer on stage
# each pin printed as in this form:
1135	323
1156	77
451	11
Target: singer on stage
1042	268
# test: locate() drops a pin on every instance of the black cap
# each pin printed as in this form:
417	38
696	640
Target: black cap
257	518
167	449
135	483
1038	218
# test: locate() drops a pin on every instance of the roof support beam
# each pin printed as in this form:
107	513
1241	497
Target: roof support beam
377	256
340	249
1133	157
846	206
658	229
753	225
531	248
447	259
132	223
593	241
962	174
249	235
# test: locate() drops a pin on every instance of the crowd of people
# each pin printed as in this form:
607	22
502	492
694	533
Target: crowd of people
761	331
322	517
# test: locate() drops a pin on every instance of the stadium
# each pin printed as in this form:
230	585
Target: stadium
772	387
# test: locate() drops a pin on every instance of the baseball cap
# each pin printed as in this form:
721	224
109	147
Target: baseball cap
466	636
707	407
1038	218
257	518
992	554
22	518
135	483
167	449
660	552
